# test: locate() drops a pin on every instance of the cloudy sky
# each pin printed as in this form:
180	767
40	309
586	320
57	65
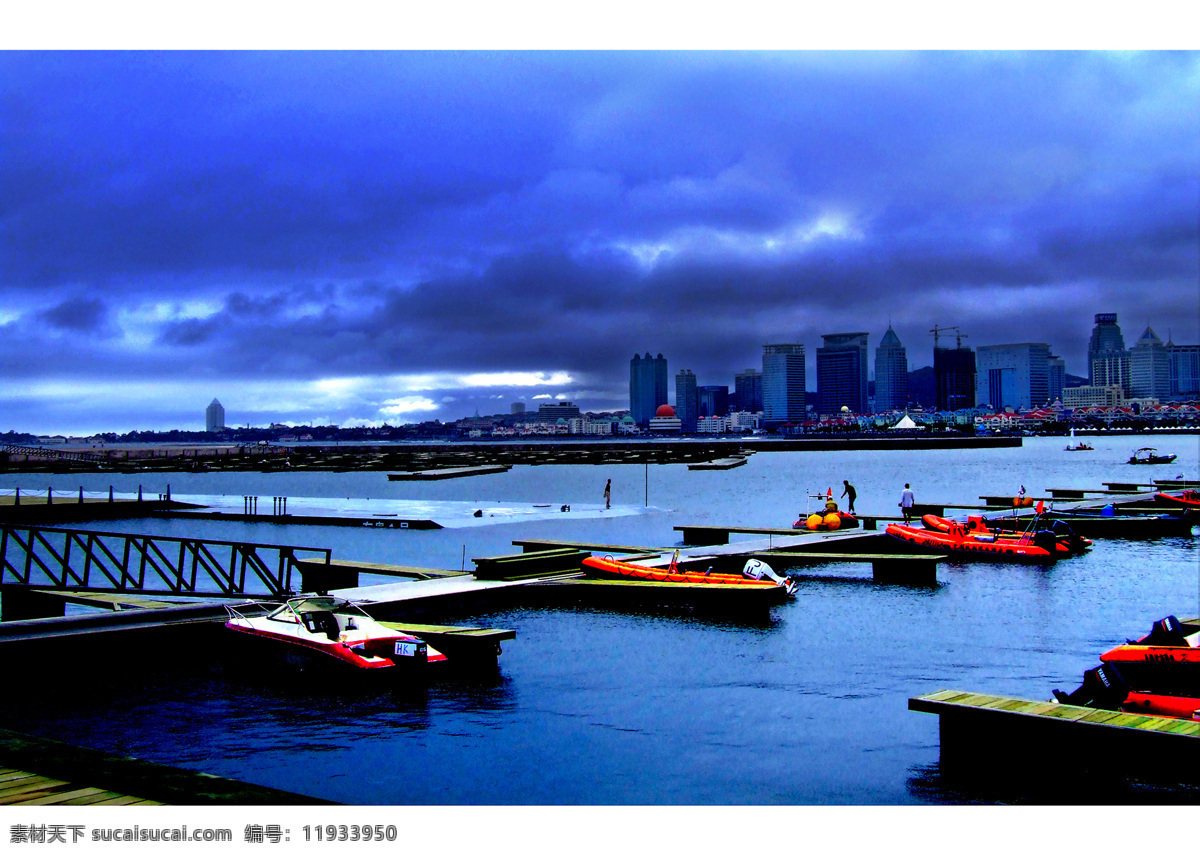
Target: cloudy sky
368	237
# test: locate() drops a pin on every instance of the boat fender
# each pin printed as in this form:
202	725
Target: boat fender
814	521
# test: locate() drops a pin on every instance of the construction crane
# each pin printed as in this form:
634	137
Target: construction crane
958	335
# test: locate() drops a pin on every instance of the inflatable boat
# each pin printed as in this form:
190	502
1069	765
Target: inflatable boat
1165	661
754	573
1186	499
1067	542
826	521
1105	687
1043	548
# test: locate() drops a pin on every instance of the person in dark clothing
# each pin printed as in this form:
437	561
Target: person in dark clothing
850	494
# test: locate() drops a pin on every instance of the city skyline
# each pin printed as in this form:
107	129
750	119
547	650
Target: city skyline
368	238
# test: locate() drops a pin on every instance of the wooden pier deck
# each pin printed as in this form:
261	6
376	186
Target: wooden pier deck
41	772
980	730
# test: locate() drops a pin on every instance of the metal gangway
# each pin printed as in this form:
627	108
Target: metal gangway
68	559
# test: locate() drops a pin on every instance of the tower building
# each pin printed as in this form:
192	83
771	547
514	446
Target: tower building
214	417
1106	343
891	374
783	383
686	401
842	373
1149	368
647	387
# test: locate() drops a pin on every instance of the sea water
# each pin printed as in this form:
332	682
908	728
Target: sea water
591	705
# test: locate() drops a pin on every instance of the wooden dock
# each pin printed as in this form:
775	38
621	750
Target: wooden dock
986	732
40	772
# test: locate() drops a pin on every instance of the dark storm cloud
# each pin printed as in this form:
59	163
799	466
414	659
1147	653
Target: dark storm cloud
312	215
80	316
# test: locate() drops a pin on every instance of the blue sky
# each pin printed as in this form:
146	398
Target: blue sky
359	237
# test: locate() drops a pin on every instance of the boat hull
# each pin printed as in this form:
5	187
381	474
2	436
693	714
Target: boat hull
409	655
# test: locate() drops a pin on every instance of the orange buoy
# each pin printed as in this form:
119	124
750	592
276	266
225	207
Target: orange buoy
833	521
814	521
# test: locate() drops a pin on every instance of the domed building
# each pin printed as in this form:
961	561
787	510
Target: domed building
664	421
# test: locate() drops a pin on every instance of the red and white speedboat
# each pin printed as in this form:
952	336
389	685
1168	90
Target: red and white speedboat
324	631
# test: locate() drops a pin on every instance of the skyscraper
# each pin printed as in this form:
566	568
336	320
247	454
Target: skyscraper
1184	368
1016	376
647	387
214	417
783	383
1149	368
891	374
686	401
747	391
954	375
1106	341
842	373
714	400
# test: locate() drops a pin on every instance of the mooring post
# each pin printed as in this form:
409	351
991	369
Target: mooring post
49	496
168	492
110	496
80	493
139	493
17	497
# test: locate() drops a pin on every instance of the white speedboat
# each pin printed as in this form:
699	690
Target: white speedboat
328	631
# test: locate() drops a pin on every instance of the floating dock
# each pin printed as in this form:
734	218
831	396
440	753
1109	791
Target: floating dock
448	473
982	732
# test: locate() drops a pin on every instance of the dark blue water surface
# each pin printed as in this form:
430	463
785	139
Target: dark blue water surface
600	706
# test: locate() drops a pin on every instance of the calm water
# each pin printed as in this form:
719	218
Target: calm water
592	706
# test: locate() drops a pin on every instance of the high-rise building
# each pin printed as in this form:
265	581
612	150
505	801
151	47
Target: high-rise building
647	387
783	383
1184	369
1056	378
891	374
686	401
714	400
747	391
517	408
1013	376
1111	368
1106	340
1149	368
549	412
214	417
842	373
954	376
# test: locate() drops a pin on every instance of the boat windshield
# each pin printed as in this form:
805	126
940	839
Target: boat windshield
319	604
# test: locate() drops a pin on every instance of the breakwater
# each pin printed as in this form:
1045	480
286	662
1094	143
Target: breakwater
429	456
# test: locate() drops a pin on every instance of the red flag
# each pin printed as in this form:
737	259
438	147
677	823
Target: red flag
1041	507
830	493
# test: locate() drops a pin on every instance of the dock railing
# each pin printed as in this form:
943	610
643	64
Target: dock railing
54	558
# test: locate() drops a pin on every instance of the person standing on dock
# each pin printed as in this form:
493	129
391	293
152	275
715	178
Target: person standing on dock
608	494
906	503
849	493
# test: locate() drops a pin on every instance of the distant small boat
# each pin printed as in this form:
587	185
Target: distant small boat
1149	455
1079	447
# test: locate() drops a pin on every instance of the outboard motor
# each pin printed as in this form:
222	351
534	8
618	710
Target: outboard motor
1103	687
1166	632
756	569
